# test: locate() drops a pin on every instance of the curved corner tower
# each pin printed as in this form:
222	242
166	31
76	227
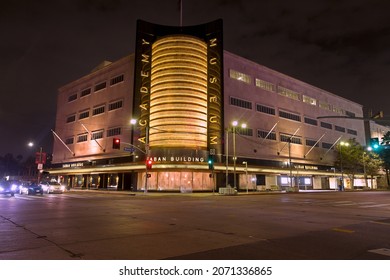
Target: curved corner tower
178	91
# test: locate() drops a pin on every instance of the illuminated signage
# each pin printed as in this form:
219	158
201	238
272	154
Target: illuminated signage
182	159
178	90
76	164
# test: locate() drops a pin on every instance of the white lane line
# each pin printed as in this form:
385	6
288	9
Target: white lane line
374	205
381	251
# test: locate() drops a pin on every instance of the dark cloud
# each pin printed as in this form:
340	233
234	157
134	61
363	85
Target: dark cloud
341	46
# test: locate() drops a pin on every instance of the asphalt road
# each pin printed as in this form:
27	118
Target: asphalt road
108	226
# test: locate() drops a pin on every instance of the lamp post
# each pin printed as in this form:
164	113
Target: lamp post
289	163
346	144
227	157
246	174
364	166
40	159
235	123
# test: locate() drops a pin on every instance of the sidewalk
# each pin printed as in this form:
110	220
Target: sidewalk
178	193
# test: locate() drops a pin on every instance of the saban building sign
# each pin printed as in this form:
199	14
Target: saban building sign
178	91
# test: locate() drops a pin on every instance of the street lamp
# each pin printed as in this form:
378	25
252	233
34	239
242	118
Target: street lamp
40	159
235	124
364	166
246	174
346	144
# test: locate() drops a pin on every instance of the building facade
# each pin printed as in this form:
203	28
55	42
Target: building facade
192	104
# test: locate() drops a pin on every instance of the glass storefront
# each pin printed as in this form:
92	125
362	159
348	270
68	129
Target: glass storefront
176	181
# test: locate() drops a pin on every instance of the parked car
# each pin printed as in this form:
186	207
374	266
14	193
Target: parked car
7	188
30	189
52	187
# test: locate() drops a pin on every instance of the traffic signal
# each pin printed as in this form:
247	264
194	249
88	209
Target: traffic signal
374	143
116	143
211	162
149	164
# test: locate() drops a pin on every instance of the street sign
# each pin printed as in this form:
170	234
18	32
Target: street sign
129	149
40	157
212	152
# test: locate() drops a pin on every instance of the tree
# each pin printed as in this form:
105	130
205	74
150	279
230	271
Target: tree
372	164
354	159
9	165
384	154
349	157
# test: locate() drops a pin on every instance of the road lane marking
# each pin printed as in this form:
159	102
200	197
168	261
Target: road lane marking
380	223
381	251
375	205
343	230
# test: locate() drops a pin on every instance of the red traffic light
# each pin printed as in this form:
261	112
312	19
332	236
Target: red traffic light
116	143
149	164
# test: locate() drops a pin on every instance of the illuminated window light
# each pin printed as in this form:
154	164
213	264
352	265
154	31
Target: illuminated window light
178	106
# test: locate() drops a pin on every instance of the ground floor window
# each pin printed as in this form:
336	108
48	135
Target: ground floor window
186	181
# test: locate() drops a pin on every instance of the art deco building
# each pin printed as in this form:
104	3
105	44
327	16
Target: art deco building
192	102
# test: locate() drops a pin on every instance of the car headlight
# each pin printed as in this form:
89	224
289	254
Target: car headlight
1	189
14	187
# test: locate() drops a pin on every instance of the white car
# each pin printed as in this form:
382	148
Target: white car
52	187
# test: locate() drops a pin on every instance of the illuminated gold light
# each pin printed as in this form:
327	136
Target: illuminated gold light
178	95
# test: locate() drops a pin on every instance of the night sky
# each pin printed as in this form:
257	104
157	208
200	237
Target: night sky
342	46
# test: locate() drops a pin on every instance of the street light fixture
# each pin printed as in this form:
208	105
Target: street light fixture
235	124
346	144
40	159
369	149
246	174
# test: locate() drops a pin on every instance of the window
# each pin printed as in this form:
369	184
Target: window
350	114
240	76
311	121
265	109
71	118
263	134
240	103
325	106
309	100
265	85
338	110
69	140
98	110
97	134
288	93
339	128
244	131
72	97
84	115
100	86
351	131
287	138
113	131
326	125
326	145
82	137
116	80
115	105
85	92
289	116
311	143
